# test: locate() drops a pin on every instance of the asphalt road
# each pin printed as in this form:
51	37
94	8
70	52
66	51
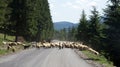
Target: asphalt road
52	57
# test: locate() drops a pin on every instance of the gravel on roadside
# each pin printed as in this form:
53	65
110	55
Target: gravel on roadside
88	60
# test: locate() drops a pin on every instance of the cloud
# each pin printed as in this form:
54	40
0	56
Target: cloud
75	6
71	5
52	6
80	1
67	4
93	3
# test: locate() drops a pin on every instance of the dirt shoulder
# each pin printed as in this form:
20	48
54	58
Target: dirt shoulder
88	60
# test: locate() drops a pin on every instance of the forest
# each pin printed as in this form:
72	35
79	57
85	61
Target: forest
29	19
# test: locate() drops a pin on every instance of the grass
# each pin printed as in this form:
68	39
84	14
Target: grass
8	38
3	52
2	47
98	58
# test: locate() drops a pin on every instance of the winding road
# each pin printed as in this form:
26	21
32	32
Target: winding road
52	57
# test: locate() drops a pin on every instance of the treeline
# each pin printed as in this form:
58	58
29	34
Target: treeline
102	33
67	34
29	19
90	31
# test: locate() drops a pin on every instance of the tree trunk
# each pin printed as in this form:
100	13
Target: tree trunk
5	36
16	38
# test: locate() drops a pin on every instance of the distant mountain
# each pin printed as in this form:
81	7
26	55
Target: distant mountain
63	24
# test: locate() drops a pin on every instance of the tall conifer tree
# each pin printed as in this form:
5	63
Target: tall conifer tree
94	29
112	20
18	17
82	28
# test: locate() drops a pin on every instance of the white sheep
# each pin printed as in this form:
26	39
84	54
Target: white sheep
90	49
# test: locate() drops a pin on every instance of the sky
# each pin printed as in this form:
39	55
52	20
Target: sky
70	10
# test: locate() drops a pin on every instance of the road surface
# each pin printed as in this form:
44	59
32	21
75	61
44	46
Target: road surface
52	57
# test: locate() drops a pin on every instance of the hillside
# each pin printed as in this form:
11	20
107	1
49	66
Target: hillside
63	24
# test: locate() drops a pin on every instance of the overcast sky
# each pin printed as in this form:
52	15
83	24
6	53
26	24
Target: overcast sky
70	10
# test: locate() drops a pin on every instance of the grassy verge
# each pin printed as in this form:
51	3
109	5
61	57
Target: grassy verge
3	51
98	58
8	38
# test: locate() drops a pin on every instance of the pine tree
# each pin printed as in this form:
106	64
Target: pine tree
94	29
63	33
18	18
31	9
82	28
4	17
2	14
112	20
45	25
72	31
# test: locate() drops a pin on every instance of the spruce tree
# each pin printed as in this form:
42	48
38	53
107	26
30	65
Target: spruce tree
82	28
112	20
45	25
18	18
2	13
72	31
94	29
31	12
4	17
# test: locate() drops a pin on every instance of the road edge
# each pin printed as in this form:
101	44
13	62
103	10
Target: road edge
84	57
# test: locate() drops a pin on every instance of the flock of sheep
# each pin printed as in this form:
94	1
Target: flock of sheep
12	45
59	44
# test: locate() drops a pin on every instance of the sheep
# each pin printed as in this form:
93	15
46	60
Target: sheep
72	46
76	46
5	43
8	47
13	44
46	45
38	45
84	47
52	44
19	43
95	52
60	46
67	45
11	47
63	45
57	44
26	46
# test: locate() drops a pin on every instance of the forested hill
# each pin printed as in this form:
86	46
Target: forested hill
63	24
